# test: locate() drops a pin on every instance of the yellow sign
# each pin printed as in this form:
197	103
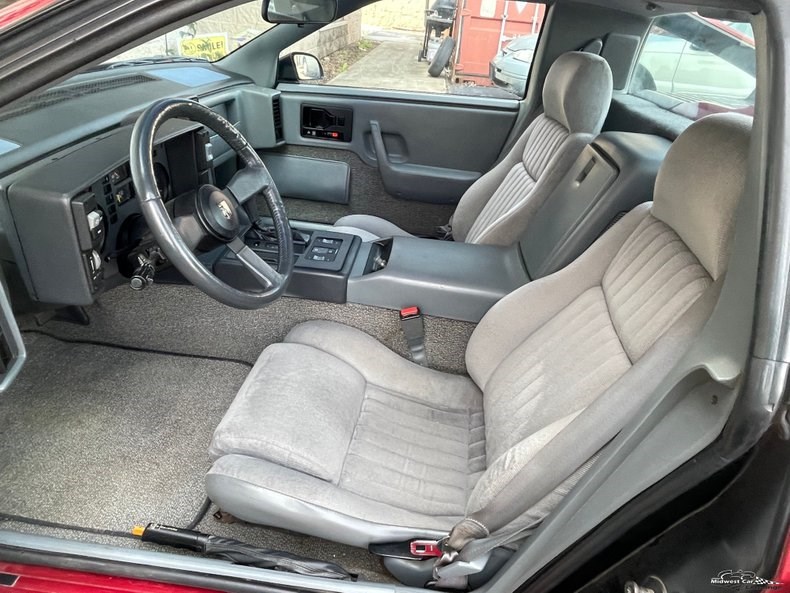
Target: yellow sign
210	47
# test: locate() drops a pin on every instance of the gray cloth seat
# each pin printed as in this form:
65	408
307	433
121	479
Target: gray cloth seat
497	208
334	435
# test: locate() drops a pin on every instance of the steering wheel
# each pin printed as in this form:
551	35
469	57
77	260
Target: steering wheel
211	216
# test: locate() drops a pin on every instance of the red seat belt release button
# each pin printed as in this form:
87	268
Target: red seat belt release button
414	331
425	548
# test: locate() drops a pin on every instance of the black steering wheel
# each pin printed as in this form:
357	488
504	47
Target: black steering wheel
211	215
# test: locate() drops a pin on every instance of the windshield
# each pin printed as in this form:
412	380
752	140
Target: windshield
207	39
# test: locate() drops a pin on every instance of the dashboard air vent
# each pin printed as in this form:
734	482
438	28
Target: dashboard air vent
278	119
70	92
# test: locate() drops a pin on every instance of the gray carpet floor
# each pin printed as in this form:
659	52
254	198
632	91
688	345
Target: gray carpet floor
119	436
177	318
103	438
106	438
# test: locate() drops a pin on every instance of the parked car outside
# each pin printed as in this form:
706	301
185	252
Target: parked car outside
510	67
681	69
668	64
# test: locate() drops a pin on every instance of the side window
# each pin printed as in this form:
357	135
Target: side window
696	66
434	47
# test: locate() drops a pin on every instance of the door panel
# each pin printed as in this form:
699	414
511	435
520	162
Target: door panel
367	196
414	153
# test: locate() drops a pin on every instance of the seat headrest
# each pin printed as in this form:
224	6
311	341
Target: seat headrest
700	184
578	91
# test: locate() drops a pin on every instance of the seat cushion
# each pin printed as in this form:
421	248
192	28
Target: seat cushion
373	427
369	228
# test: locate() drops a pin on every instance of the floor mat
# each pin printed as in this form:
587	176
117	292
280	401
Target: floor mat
106	438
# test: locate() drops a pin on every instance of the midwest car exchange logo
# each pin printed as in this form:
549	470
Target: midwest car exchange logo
743	580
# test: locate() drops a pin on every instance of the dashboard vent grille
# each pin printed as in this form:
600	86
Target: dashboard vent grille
278	119
68	93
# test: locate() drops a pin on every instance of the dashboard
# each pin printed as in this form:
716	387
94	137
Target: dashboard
84	204
71	222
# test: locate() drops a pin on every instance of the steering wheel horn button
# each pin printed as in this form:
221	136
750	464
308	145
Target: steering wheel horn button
217	212
224	207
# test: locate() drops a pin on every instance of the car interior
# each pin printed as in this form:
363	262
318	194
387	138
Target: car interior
397	338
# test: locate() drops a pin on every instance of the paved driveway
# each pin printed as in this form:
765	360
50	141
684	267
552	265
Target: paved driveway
392	65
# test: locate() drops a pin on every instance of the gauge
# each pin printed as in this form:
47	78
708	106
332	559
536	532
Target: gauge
162	180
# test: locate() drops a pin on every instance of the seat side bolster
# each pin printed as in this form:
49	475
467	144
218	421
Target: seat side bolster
510	226
264	493
509	322
316	445
477	196
372	225
366	236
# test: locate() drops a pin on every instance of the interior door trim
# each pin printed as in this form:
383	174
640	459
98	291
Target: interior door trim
384	95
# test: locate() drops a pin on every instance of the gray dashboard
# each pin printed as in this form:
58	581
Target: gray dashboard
70	223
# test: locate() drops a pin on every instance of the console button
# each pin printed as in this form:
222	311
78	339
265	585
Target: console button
328	242
323	250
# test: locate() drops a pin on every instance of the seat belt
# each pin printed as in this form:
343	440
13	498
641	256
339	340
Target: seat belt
452	569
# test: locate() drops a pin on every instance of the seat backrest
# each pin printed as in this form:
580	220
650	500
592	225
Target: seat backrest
576	96
566	360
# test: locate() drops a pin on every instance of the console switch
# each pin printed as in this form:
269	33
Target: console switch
324	249
327	242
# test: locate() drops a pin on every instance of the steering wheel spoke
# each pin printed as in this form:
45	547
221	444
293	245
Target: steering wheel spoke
263	273
186	221
190	229
249	182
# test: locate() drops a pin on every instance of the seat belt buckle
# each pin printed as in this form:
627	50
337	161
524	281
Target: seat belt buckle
444	232
425	548
416	549
411	323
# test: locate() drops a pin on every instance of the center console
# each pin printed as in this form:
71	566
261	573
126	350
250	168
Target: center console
442	278
324	260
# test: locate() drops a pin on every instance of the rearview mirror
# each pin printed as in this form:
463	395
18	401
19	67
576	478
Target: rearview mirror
299	67
317	12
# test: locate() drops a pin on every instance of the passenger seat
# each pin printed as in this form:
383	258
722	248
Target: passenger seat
497	208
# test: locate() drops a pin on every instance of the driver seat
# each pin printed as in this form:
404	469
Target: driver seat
334	435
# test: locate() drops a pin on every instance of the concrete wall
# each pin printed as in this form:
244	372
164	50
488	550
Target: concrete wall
395	14
330	38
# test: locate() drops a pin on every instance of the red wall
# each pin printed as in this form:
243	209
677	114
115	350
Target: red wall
478	30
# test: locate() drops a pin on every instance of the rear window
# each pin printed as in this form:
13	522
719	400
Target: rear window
695	66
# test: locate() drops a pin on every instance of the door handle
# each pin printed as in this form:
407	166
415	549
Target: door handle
418	182
379	149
